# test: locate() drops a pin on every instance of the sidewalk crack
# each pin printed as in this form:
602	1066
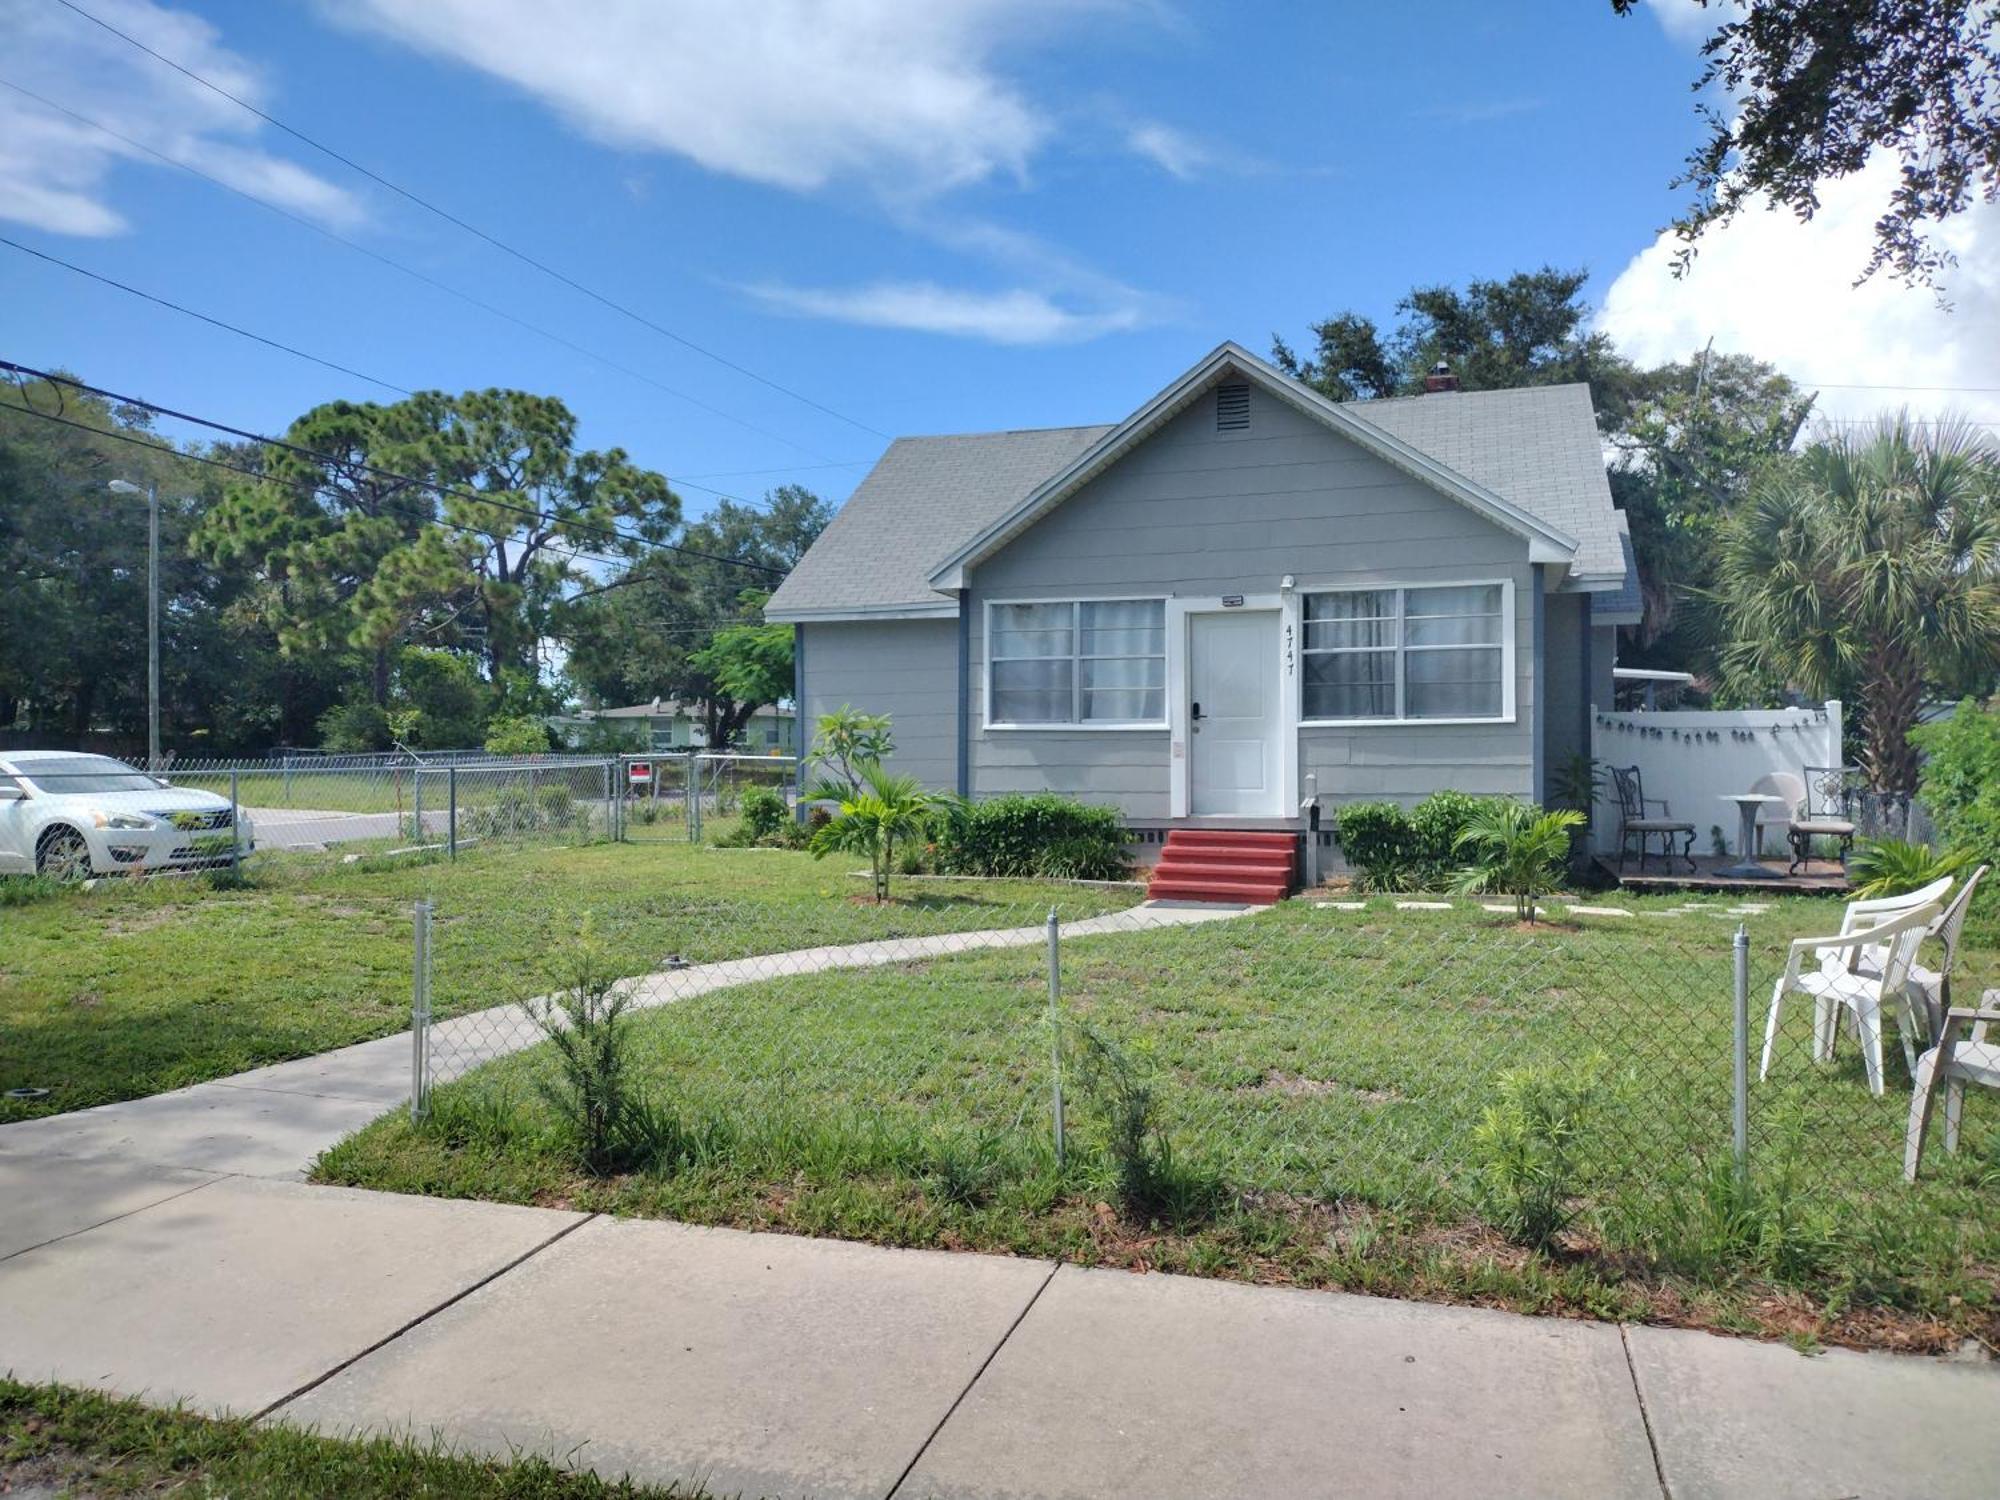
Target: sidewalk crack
1645	1416
422	1318
952	1410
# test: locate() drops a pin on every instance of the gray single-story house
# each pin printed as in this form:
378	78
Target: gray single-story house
669	724
1241	592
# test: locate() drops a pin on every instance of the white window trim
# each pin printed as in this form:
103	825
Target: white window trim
1509	633
1092	726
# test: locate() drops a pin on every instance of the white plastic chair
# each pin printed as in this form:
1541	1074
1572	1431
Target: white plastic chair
1962	1055
1932	986
1837	988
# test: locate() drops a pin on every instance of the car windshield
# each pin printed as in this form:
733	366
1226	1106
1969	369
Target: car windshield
84	773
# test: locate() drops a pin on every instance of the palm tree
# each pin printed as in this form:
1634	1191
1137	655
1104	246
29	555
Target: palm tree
1518	850
1866	570
871	817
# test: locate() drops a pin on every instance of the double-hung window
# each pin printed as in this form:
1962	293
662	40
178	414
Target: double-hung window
1406	653
1084	662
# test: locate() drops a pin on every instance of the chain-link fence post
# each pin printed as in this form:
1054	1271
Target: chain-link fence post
420	834
1739	1119
693	808
451	811
420	1011
610	807
1055	1031
235	829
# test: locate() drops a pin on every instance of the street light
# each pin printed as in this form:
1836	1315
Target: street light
152	494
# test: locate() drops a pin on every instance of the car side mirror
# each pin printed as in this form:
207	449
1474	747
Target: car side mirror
11	793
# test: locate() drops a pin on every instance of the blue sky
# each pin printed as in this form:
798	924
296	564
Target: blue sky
927	218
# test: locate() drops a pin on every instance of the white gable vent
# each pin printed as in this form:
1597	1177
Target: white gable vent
1232	408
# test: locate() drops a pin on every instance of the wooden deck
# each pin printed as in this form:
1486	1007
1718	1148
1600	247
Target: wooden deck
1817	877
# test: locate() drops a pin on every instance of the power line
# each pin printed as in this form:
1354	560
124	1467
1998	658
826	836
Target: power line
475	496
274	343
473	229
852	463
410	271
205	318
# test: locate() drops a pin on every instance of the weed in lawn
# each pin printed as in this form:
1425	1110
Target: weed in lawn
1528	1144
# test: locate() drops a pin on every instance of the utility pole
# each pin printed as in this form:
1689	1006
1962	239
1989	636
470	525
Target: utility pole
152	492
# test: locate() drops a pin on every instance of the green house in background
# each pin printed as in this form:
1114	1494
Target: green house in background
667	724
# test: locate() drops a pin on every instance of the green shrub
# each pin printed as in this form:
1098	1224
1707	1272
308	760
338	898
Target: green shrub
767	818
354	727
1961	768
517	734
1527	1143
1435	826
1043	834
1380	845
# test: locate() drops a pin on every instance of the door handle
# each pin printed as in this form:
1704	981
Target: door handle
1194	713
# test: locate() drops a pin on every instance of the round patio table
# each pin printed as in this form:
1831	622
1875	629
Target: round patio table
1747	867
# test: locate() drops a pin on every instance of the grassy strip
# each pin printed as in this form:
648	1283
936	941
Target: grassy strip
78	1442
132	988
1321	1080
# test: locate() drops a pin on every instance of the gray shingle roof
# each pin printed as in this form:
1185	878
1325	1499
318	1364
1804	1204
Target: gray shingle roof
923	498
928	496
1537	446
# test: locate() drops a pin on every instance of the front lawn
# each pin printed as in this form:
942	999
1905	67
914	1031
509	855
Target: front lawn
135	987
1322	1081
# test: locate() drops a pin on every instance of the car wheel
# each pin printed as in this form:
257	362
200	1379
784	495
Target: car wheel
62	854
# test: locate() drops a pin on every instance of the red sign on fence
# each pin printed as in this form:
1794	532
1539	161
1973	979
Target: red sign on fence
639	772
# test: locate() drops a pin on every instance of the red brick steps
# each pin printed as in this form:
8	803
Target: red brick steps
1215	864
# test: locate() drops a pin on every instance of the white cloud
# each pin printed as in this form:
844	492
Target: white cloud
1688	21
1768	285
55	172
1172	151
1013	316
796	94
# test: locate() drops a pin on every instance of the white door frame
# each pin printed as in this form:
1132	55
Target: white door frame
1179	614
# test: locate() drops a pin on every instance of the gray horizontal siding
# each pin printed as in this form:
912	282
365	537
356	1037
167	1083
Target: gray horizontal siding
907	669
1199	513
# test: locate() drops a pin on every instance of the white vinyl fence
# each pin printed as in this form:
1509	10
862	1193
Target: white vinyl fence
1693	758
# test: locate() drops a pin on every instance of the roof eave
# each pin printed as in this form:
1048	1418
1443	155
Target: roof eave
944	609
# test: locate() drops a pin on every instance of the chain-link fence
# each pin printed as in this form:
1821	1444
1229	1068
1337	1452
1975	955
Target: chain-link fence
73	817
700	796
1591	1082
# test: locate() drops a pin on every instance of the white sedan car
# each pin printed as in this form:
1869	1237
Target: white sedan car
72	815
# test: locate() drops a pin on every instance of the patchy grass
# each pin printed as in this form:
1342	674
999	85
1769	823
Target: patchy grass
55	1440
1322	1081
134	987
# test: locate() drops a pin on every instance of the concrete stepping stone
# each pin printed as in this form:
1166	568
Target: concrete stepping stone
1423	906
1599	911
1340	906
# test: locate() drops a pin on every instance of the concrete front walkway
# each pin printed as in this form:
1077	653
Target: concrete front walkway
164	1249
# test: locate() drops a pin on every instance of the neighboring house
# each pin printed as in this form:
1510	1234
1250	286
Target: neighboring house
1241	586
664	725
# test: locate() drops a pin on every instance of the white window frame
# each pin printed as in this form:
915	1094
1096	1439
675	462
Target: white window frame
1509	630
1076	658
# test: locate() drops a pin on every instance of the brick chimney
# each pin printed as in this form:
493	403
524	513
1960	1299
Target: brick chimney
1440	378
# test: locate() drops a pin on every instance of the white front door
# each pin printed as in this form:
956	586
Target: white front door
1234	714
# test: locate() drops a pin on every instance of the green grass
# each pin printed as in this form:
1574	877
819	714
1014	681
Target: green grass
54	1439
329	791
1321	1080
135	987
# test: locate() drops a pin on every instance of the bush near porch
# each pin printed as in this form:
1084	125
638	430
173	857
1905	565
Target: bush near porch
1355	1100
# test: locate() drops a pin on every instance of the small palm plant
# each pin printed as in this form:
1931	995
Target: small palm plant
1516	849
1891	867
871	817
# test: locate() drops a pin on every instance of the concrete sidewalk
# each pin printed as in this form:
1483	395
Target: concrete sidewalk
164	1248
775	1365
